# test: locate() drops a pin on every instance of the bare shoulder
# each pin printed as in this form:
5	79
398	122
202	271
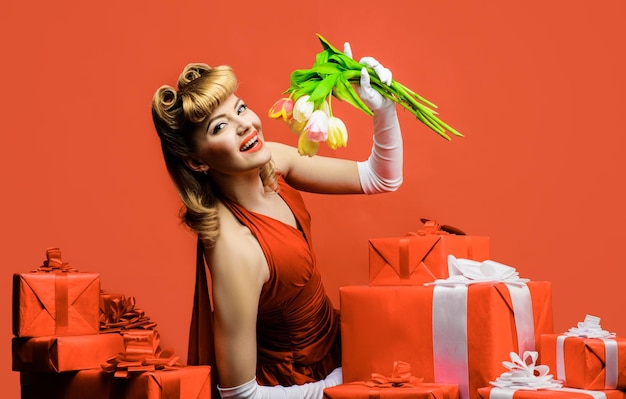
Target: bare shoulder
283	156
236	257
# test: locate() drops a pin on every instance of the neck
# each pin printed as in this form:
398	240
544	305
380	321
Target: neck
245	189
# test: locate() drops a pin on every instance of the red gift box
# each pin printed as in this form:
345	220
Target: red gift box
55	300
357	390
399	384
585	363
67	353
462	342
421	257
563	393
191	382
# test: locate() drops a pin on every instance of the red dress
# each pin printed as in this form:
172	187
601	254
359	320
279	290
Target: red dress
298	335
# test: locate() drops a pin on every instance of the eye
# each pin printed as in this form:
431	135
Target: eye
242	108
218	126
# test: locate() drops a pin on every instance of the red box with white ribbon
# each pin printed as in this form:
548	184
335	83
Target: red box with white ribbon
454	333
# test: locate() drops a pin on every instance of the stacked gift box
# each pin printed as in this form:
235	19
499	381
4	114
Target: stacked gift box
72	340
437	303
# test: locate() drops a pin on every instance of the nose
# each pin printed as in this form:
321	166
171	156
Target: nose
243	125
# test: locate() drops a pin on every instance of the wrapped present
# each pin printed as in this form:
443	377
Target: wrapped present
55	300
65	353
586	357
400	384
191	382
525	379
421	257
562	393
453	331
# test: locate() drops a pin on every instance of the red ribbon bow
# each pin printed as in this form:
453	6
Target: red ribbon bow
123	315
142	353
433	227
400	377
54	263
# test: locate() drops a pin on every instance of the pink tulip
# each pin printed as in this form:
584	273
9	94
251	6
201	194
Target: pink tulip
282	108
317	126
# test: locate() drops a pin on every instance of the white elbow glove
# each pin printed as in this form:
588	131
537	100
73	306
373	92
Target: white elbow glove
311	390
382	171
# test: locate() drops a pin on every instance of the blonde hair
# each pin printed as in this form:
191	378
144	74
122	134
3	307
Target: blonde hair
177	114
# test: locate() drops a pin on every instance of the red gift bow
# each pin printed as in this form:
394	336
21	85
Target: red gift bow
145	354
400	378
54	263
433	227
124	316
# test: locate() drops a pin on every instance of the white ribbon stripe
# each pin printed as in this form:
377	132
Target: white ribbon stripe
450	315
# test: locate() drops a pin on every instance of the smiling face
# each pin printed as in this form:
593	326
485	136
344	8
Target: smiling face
231	140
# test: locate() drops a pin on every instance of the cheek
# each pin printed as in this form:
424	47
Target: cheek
255	120
217	150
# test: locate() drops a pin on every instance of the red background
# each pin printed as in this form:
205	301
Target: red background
536	86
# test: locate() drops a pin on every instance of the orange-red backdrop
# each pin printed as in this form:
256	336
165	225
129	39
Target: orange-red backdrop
536	86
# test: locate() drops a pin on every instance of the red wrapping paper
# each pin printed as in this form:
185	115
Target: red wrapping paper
55	300
381	324
416	259
485	393
67	353
191	382
584	361
421	391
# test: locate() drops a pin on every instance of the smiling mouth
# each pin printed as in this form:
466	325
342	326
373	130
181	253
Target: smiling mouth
251	142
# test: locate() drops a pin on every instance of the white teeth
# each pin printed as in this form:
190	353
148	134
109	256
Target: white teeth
249	144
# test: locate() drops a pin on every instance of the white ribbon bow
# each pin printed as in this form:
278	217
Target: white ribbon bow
467	271
525	374
590	328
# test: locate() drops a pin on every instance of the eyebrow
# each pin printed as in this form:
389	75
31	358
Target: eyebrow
237	103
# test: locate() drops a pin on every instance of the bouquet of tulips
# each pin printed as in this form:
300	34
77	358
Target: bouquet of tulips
308	112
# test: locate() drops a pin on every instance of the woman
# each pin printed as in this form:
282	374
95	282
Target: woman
271	331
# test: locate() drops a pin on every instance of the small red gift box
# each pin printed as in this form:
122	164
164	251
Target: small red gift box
457	335
585	363
562	393
55	300
66	353
400	384
421	257
191	382
357	390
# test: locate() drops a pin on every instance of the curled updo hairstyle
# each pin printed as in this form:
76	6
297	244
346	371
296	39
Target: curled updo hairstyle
177	115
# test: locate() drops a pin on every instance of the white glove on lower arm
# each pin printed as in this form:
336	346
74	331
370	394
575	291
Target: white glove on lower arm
382	171
311	390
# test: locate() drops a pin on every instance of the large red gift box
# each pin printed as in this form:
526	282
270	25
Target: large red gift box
55	300
191	382
420	391
563	393
66	353
421	257
585	363
455	335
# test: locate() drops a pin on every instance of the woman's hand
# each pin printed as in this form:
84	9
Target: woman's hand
373	99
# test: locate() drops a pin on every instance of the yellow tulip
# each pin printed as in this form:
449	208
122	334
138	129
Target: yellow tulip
337	133
307	147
